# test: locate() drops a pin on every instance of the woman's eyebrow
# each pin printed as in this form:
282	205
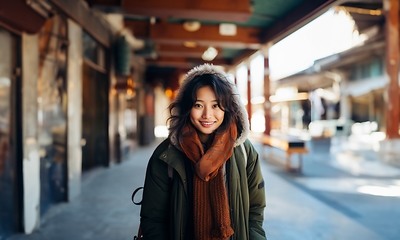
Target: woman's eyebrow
199	100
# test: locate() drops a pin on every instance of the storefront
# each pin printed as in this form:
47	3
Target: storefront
10	134
52	112
95	88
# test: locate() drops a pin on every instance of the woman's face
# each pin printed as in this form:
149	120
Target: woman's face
206	115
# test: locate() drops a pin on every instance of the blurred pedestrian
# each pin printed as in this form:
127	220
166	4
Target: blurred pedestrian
204	181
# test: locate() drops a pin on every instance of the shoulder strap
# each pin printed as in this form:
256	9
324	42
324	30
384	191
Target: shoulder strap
170	175
170	172
244	153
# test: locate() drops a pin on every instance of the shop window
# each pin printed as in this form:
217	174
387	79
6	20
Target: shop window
93	51
368	69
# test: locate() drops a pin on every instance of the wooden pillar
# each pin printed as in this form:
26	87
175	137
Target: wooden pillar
391	8
267	103
249	92
267	90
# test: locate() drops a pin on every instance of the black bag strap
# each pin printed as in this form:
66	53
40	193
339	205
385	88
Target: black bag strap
133	196
139	235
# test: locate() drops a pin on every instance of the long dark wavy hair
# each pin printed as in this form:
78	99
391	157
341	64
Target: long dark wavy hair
180	108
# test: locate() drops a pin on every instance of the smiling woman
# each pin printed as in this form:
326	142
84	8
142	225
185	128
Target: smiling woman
208	197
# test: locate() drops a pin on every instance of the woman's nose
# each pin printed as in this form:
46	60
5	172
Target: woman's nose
206	113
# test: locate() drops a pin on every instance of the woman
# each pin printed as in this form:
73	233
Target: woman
199	183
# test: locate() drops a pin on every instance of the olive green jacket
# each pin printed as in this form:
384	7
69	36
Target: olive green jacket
165	203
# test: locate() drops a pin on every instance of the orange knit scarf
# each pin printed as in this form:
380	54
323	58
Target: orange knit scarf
211	207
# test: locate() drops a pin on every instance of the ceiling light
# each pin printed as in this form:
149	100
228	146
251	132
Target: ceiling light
190	44
209	54
227	29
191	26
153	20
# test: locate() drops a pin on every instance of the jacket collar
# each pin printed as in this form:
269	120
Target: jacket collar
174	158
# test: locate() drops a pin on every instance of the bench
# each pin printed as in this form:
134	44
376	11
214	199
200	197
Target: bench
290	145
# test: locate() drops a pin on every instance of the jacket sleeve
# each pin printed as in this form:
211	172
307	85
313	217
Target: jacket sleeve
154	211
256	194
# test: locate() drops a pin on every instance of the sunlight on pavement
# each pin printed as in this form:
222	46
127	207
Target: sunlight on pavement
359	165
386	188
389	191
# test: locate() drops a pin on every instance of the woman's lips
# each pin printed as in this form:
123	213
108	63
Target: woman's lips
206	124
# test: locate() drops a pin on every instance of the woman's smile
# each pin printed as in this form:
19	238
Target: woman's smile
206	124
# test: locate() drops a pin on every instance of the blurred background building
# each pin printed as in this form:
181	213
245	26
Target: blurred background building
83	82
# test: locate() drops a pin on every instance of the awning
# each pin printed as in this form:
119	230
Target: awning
359	88
304	82
294	97
18	17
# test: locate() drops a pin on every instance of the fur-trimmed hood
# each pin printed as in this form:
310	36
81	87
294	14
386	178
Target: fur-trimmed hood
211	69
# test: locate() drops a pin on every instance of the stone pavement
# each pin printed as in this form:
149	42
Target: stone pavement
104	210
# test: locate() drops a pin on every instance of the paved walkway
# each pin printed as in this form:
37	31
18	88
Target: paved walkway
104	210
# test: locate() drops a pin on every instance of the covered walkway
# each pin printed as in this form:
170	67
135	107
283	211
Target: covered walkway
296	209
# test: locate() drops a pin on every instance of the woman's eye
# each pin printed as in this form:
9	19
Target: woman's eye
196	105
215	106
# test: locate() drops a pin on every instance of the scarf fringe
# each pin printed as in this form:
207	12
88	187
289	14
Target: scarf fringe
222	232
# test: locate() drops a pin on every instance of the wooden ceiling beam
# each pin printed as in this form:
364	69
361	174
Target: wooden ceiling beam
207	35
180	48
182	51
183	62
104	2
222	10
140	29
